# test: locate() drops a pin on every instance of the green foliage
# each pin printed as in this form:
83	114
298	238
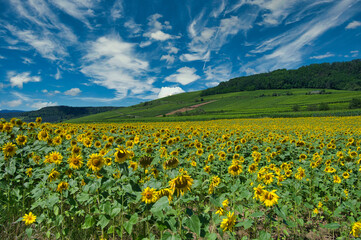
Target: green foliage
355	103
337	75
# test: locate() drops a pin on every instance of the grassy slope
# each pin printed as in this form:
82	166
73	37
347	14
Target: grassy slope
233	105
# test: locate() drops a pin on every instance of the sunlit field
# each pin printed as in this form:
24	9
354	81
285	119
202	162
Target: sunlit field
229	179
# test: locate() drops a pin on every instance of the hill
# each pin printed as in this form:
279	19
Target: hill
7	114
259	103
337	75
62	113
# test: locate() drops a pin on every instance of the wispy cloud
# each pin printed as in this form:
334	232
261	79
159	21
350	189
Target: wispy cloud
39	105
133	28
156	29
18	79
184	76
113	63
327	55
353	25
287	49
116	11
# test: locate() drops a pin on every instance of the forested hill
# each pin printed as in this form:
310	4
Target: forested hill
62	113
337	75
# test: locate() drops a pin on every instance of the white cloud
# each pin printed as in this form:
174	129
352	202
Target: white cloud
57	76
2	57
288	49
76	8
73	92
184	76
112	63
18	79
160	36
155	29
145	44
117	10
50	93
354	53
134	28
168	91
39	105
13	103
327	55
43	44
353	25
168	58
27	60
218	73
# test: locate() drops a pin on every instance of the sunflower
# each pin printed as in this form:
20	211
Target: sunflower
95	162
29	172
300	173
228	222
145	161
133	165
149	195
62	186
43	135
38	120
258	191
268	178
181	183
235	169
220	211
345	175
75	161
9	149
207	168
172	162
199	151
53	175
7	127
21	139
29	218
336	179
54	157
121	155
303	157
253	168
166	192
269	198
87	142
356	229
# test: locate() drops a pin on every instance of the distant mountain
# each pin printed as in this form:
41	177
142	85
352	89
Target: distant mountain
62	113
337	75
10	113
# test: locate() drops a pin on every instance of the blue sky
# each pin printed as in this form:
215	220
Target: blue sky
122	52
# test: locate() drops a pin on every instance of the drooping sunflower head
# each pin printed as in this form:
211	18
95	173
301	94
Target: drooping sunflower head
166	192
95	162
172	162
62	186
75	161
181	184
53	175
258	191
149	195
228	222
145	161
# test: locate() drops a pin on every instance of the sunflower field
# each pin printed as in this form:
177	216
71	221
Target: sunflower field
227	179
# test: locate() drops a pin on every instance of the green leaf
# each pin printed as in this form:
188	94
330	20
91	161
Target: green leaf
103	221
257	214
11	169
128	226
332	226
211	236
115	212
29	232
89	222
107	208
245	224
264	236
161	204
194	224
82	197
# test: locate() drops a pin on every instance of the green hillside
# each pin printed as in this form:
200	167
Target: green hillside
260	103
61	113
337	75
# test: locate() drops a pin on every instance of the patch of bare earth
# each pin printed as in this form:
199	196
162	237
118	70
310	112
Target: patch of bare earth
185	109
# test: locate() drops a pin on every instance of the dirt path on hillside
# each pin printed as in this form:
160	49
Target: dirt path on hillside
185	109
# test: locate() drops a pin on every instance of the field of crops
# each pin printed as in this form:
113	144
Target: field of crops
228	179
